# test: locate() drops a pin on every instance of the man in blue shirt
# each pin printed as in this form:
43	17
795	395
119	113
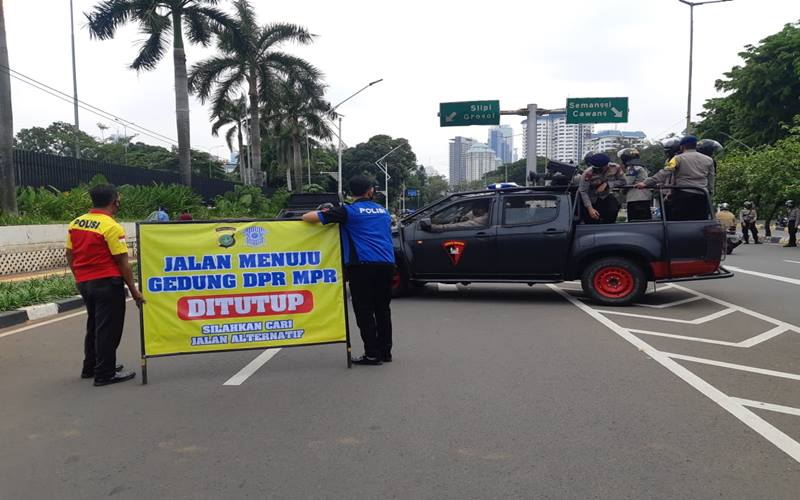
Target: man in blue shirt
366	230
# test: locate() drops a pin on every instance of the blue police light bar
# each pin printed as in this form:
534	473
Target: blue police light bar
502	185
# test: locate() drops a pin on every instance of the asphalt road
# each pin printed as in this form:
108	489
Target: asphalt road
495	392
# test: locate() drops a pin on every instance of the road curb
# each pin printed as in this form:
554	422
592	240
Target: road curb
40	311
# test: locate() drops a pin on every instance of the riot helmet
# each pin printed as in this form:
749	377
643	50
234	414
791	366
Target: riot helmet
628	154
748	204
586	158
709	147
724	206
672	146
789	204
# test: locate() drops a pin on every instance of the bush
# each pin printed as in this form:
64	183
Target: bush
249	202
16	294
139	201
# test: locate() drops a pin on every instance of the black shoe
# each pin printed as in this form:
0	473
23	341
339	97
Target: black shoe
789	246
387	358
117	378
366	360
117	368
758	242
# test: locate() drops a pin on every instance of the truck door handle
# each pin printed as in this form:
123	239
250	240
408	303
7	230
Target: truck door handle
482	235
553	231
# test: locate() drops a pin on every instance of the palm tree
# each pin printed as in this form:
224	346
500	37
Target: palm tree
8	192
249	58
233	113
197	19
301	113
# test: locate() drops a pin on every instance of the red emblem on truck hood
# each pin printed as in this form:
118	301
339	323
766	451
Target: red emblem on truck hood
454	250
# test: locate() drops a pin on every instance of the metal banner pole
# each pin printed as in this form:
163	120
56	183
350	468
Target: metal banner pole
530	161
141	312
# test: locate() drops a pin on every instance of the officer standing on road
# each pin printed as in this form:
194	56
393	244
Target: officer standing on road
748	217
638	201
366	230
689	169
792	223
600	206
98	256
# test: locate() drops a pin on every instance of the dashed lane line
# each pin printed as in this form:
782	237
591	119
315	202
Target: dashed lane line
252	367
768	431
793	261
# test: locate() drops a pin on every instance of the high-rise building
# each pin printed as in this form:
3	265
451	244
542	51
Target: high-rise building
458	167
559	141
501	141
613	140
479	159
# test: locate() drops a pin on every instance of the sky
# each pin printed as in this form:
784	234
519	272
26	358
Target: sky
427	52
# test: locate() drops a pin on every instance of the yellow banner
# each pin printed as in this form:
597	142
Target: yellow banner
240	285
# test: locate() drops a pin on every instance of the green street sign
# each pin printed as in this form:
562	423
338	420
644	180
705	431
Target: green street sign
597	110
459	114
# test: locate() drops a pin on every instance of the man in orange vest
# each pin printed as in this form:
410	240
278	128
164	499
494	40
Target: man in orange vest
98	256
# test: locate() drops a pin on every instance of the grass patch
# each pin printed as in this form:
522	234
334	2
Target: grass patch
16	294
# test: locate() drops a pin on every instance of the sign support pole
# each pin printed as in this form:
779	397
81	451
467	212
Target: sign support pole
530	161
141	312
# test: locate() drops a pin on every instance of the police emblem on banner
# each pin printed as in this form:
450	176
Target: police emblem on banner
454	250
254	236
226	236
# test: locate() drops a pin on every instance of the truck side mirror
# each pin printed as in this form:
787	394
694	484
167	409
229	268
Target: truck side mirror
425	224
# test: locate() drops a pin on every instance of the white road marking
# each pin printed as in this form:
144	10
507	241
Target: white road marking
685	337
758	424
760	405
670	304
252	367
698	321
793	261
43	323
775	277
749	312
733	366
763	337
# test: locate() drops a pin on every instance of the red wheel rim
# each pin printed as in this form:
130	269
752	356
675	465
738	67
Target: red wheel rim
614	282
396	280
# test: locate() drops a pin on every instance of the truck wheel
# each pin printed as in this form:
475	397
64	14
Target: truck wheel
614	281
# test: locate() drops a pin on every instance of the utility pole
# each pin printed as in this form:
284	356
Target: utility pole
74	85
8	189
691	54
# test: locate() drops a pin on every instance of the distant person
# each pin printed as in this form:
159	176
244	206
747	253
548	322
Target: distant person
748	217
726	217
158	215
638	201
185	215
599	204
98	256
366	229
692	171
478	217
793	220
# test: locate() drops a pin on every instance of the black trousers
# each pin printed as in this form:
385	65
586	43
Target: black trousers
688	206
608	208
639	210
371	292
105	305
792	233
749	226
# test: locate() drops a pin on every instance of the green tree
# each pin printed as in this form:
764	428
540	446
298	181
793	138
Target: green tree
653	157
435	187
768	176
516	173
8	193
57	139
232	114
762	94
249	57
361	160
157	19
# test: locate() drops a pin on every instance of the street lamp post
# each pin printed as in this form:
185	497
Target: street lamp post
385	168
74	84
370	84
691	51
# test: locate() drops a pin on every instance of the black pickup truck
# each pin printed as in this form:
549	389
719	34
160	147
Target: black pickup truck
534	235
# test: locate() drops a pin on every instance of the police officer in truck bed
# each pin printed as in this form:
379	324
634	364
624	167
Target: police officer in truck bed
366	230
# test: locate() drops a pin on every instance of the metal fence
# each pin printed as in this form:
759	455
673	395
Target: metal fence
64	173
